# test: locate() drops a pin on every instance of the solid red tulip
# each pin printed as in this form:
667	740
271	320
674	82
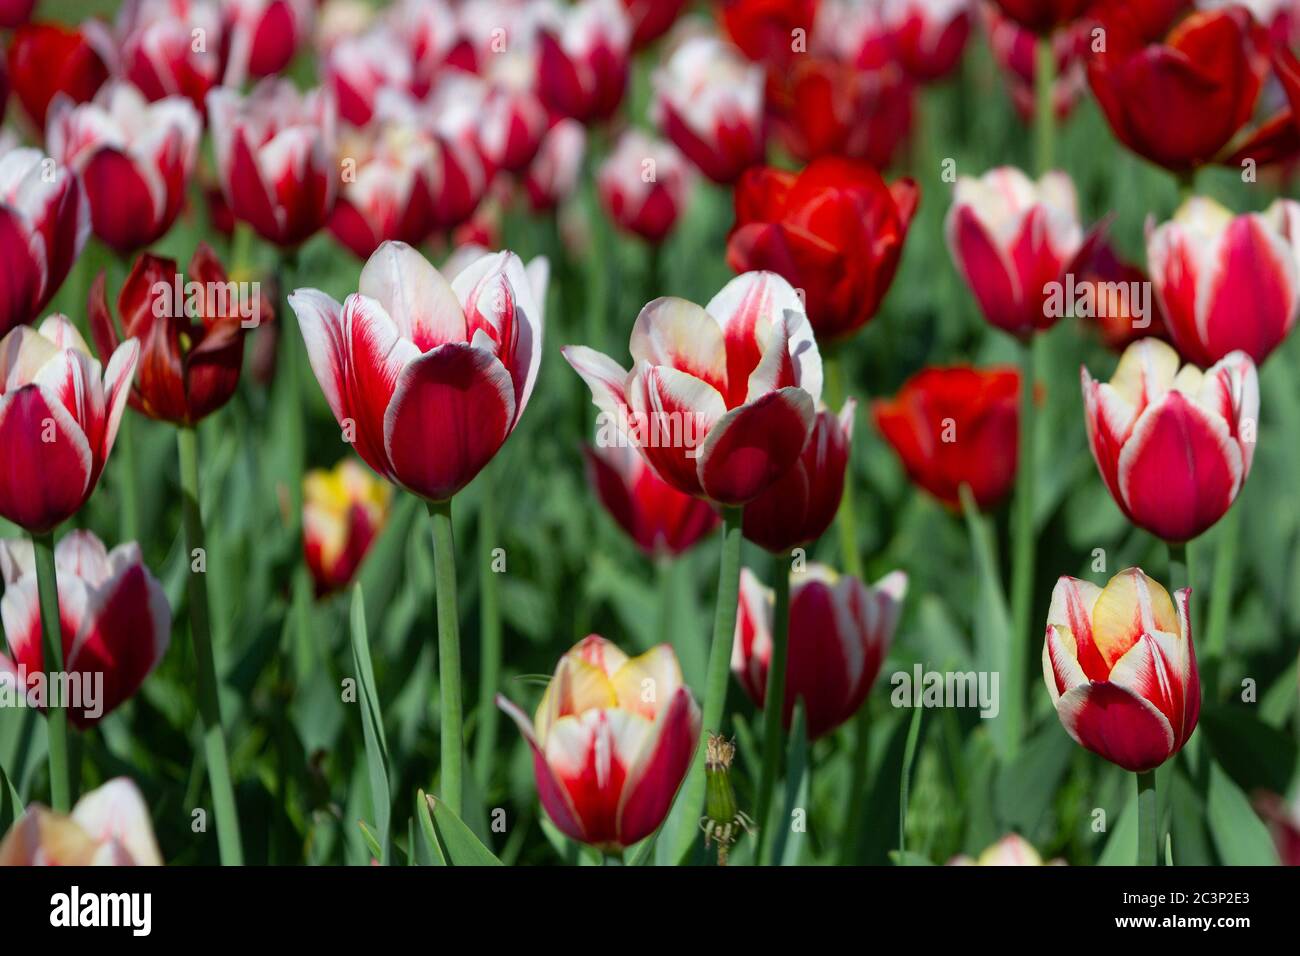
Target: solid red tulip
835	231
552	176
1121	669
276	157
343	511
709	102
44	223
644	185
840	632
134	158
171	48
59	413
799	508
1174	446
109	826
1178	96
611	741
116	622
720	400
1227	283
659	518
47	58
190	329
1013	241
583	60
1044	16
426	377
956	426
768	31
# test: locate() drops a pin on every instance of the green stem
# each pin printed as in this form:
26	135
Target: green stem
1179	567
485	734
444	561
847	516
1148	840
774	697
56	718
1044	107
905	782
128	479
1024	541
719	668
852	842
291	362
1225	565
214	738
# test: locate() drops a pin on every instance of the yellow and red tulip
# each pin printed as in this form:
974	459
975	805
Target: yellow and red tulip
1174	446
108	827
343	510
612	740
1121	669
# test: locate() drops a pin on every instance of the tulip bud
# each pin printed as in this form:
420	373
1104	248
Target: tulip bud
553	174
611	741
1174	446
1121	669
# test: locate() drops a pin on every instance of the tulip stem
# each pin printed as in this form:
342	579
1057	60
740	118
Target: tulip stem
774	700
1148	841
485	732
847	516
214	737
1022	557
1225	563
128	478
444	566
1044	105
1179	567
56	718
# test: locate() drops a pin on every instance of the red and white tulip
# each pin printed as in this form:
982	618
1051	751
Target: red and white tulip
1174	446
552	176
427	377
1227	283
171	48
115	616
840	632
262	36
109	826
1121	669
44	222
134	158
583	60
612	740
276	157
644	185
709	102
59	413
720	400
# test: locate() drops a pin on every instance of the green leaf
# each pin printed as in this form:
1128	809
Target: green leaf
463	847
431	851
372	727
783	848
1121	849
908	858
11	805
375	851
1239	835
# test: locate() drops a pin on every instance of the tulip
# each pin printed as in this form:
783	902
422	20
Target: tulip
720	400
337	20
1227	283
46	59
835	231
1044	16
15	12
611	742
1174	446
108	827
134	158
709	102
1121	669
956	426
1013	241
765	30
661	520
799	508
192	348
583	61
1283	822
928	36
59	414
44	222
552	176
262	36
503	124
840	632
1011	850
1178	99
276	157
116	622
651	19
1016	51
644	185
427	378
1110	282
160	54
343	511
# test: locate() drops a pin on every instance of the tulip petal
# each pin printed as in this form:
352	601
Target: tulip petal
1071	609
987	269
1061	670
591	754
550	792
1114	723
674	414
606	378
642	682
751	446
116	813
41	438
679	334
415	295
659	767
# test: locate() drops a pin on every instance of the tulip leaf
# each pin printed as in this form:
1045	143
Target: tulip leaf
372	726
1239	835
11	805
431	851
372	842
908	858
796	794
463	847
1121	849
